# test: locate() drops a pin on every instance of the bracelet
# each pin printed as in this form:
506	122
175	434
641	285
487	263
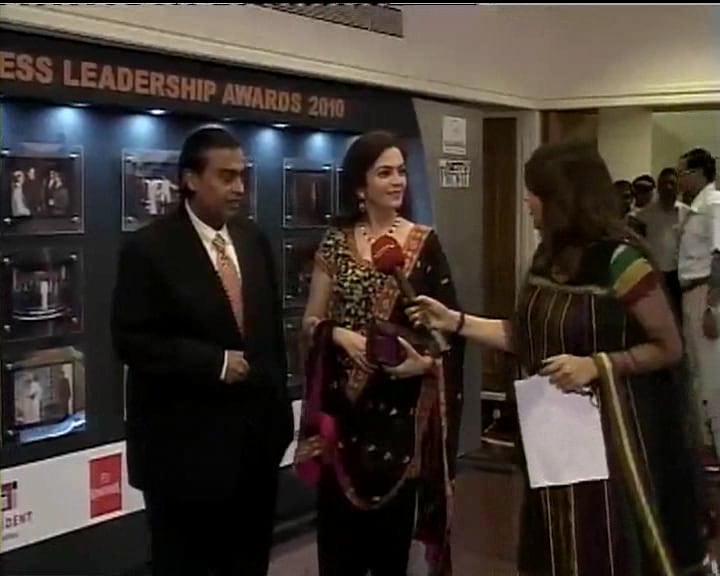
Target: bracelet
461	323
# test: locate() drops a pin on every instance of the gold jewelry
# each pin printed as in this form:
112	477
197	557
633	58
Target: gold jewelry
371	238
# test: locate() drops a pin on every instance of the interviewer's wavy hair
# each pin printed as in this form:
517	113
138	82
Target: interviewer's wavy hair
579	203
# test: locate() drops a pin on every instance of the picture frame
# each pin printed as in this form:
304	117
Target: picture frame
308	190
249	204
150	186
44	394
341	206
42	189
298	261
296	356
40	293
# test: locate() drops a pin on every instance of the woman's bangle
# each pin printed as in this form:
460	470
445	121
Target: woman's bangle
461	323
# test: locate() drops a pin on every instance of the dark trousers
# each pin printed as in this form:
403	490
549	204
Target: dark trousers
212	536
672	283
353	542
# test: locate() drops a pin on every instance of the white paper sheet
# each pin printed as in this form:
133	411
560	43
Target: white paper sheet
561	434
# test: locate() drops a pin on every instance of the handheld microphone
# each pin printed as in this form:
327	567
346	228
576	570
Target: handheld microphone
388	258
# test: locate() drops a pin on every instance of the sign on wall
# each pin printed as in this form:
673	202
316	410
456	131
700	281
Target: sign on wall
38	66
454	173
454	136
59	495
51	497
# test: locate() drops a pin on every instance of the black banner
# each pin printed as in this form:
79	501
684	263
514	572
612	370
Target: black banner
69	71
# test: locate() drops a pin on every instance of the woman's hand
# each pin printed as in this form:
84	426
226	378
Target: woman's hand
415	364
426	311
570	373
355	346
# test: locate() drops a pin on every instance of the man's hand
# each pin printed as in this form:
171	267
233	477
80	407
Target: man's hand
237	367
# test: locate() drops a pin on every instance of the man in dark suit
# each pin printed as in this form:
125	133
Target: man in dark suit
198	321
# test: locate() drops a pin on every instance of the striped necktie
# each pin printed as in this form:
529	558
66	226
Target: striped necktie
230	278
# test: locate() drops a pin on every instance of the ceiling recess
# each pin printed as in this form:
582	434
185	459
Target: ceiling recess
377	18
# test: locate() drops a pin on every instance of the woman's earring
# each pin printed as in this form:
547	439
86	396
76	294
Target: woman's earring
361	205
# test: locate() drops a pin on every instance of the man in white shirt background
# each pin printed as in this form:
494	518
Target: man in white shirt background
699	273
643	191
662	218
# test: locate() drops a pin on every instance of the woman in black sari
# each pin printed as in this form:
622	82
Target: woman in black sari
381	413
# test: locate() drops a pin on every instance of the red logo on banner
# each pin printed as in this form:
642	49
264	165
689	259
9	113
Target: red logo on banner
105	485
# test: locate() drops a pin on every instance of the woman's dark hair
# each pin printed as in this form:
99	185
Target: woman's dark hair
701	159
193	156
580	205
359	159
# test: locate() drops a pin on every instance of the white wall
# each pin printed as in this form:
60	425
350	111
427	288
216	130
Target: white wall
529	56
625	141
456	217
628	55
675	133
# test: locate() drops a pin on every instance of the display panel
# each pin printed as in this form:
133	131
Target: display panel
41	293
41	189
150	185
298	260
296	351
307	193
43	394
340	206
249	204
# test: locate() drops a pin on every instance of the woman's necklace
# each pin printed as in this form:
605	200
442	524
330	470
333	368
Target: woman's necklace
370	238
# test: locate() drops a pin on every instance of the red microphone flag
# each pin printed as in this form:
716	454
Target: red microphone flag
387	255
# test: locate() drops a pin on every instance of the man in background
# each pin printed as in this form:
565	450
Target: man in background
197	320
662	218
643	191
699	273
624	191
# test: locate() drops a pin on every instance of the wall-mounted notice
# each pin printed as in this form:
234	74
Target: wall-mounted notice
454	173
454	136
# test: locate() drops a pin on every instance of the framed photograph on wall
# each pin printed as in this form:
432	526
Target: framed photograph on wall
249	207
150	186
43	394
40	293
307	194
298	261
296	351
339	207
41	190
